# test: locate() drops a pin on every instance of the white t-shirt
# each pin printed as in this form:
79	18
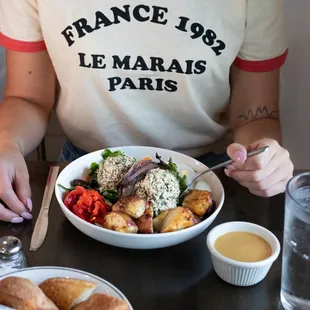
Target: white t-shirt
146	73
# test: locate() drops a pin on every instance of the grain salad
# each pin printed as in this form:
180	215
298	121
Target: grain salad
160	187
112	170
139	195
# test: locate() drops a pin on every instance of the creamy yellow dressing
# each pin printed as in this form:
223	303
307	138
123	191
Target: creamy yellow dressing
243	246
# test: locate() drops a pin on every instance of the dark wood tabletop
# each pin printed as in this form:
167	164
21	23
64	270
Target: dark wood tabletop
175	278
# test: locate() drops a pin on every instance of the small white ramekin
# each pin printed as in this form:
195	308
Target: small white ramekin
242	273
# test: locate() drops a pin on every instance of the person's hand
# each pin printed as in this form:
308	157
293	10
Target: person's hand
15	190
265	174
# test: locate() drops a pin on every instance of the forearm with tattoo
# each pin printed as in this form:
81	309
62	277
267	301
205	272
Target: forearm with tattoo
254	108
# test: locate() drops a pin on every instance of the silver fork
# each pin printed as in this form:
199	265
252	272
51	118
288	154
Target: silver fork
223	164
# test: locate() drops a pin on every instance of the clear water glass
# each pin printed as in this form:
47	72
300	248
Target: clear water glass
295	286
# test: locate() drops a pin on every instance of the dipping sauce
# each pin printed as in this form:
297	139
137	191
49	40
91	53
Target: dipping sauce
243	246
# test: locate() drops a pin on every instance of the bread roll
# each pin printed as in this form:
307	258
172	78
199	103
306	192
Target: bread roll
102	302
22	294
67	292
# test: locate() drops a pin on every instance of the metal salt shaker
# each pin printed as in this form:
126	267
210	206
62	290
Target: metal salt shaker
12	257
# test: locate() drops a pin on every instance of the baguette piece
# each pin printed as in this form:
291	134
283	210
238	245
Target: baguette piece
67	292
22	294
102	302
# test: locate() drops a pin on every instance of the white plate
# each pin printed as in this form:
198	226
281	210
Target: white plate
39	274
80	167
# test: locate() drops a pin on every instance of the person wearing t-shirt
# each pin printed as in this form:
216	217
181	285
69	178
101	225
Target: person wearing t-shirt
173	74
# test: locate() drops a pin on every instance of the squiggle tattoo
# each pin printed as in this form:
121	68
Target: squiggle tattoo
259	113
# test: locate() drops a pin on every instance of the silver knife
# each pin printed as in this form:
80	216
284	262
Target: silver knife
40	229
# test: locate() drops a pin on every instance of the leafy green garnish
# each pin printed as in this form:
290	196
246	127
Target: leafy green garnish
111	195
108	153
93	169
65	188
108	202
173	168
92	181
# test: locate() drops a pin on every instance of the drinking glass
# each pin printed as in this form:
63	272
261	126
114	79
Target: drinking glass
295	286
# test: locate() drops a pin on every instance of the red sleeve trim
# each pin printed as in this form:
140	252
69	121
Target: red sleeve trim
21	46
261	65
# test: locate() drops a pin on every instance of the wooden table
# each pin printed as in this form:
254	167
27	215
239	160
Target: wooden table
176	278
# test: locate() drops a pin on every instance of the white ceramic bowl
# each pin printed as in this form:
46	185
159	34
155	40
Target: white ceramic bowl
39	274
242	273
79	168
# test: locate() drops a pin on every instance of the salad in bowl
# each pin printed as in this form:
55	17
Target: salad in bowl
136	192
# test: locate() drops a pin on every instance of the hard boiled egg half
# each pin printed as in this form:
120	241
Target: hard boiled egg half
190	173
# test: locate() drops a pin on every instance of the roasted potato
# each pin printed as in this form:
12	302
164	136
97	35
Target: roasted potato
132	205
118	221
150	209
145	222
177	219
198	201
158	220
